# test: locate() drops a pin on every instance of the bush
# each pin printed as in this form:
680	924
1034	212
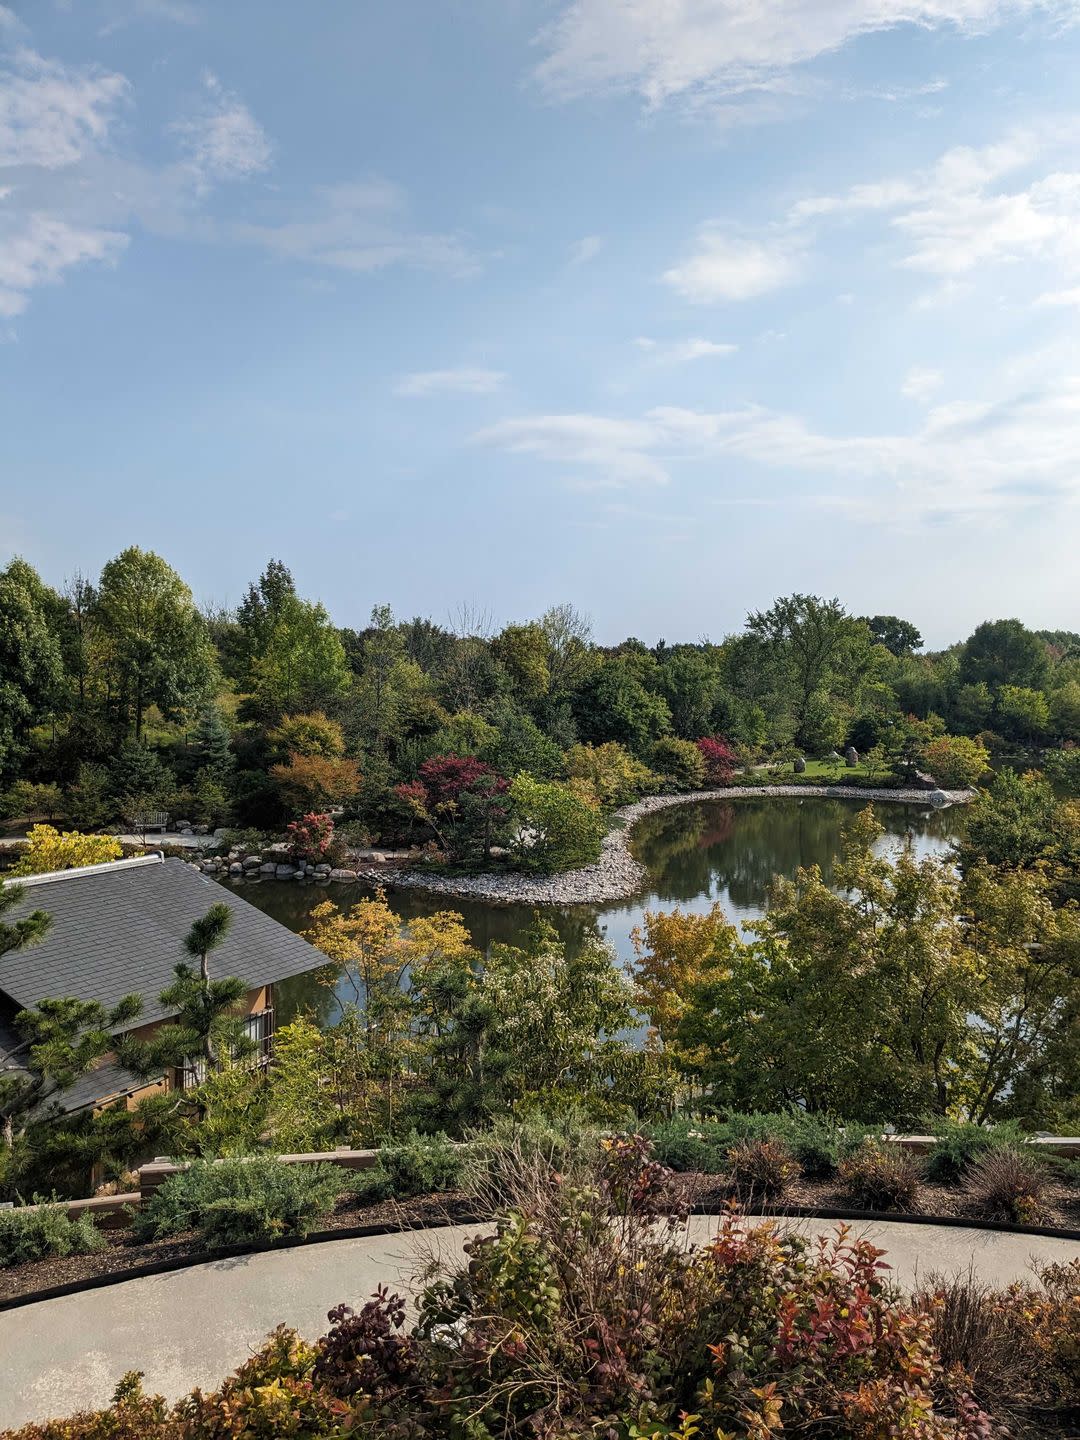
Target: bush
679	763
880	1176
241	1201
959	1145
760	1169
32	1233
818	1143
1008	1185
688	1143
421	1165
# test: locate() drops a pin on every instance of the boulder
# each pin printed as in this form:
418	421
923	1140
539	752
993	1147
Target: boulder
338	874
236	868
800	765
284	872
268	868
251	862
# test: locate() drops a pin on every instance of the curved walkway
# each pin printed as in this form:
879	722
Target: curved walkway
617	875
192	1327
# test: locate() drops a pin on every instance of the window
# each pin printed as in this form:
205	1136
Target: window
259	1029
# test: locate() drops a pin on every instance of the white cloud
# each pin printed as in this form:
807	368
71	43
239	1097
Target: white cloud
716	49
359	226
613	452
920	383
463	380
223	140
724	266
52	114
965	460
585	249
38	250
682	352
1060	297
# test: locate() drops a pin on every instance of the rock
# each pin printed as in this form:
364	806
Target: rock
339	874
800	765
851	757
208	867
182	825
323	869
268	868
187	831
284	872
252	862
236	868
201	829
938	799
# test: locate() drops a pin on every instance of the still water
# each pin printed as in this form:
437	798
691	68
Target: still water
695	855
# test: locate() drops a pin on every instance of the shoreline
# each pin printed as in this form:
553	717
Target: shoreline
617	875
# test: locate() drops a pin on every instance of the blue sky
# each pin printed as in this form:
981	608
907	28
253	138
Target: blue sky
663	307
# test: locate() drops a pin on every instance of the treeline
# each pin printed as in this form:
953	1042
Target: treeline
120	696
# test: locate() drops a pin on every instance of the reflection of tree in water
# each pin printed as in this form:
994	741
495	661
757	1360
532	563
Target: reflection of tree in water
741	846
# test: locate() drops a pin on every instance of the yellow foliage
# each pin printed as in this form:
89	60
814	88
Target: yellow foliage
677	951
50	850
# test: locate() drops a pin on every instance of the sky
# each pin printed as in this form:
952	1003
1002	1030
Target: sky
659	307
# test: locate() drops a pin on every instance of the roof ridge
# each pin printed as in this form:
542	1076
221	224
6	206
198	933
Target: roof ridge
78	871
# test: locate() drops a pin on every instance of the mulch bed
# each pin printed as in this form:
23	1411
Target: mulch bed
124	1252
703	1193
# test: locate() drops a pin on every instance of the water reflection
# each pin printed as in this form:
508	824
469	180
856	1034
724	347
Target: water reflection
695	855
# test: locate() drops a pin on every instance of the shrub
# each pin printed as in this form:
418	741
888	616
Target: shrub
760	1169
421	1165
818	1143
49	850
880	1176
679	763
241	1201
34	1232
1008	1185
959	1145
720	760
702	1143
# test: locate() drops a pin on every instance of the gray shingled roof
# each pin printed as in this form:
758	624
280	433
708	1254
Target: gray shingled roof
119	929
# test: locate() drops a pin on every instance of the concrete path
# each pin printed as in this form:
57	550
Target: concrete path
194	1326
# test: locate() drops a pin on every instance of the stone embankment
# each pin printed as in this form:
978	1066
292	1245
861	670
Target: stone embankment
617	875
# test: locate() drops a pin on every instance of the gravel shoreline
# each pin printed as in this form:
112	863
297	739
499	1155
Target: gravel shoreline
617	875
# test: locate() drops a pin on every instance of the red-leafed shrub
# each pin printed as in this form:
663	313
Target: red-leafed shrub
311	837
720	759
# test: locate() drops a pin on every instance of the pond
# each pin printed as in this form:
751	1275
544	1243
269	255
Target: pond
695	855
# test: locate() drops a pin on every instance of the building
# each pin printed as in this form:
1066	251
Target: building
118	929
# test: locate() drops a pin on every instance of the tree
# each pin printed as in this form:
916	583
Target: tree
31	663
58	1042
462	799
952	990
313	782
48	850
525	651
616	705
154	646
308	735
819	645
1004	652
678	951
1065	711
558	829
208	1023
720	760
1023	713
688	680
88	799
613	775
898	636
955	761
